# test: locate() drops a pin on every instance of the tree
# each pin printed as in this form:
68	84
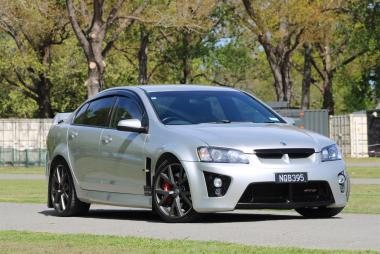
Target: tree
165	44
94	40
279	27
344	38
35	28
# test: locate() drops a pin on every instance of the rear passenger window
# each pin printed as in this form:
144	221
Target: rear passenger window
126	108
96	113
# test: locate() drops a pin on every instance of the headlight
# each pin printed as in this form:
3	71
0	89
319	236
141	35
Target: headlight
222	155
331	153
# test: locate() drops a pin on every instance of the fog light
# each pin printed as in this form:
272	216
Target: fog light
341	179
218	182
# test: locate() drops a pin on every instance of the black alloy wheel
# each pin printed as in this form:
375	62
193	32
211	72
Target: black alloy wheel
171	193
62	193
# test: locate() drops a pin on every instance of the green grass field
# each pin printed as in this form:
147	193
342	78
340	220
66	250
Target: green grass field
364	198
23	191
364	172
22	170
13	242
369	159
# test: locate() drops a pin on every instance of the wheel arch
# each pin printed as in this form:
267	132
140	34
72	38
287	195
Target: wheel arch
163	157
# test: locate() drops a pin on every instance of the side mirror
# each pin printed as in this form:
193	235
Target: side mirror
289	120
133	125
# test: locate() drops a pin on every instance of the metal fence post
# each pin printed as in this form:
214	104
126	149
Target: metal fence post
26	158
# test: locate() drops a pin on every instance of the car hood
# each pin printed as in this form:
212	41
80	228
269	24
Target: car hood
249	136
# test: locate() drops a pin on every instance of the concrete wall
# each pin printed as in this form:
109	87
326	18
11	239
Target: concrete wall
21	134
23	141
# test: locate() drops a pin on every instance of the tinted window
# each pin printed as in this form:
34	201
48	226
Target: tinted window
126	108
97	113
194	107
81	115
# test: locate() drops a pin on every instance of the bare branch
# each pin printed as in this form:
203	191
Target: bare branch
77	30
123	25
349	60
112	16
12	32
316	67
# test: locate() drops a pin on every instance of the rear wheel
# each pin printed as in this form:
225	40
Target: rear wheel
62	192
171	193
319	212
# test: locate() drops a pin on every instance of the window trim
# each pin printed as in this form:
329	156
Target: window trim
107	124
138	103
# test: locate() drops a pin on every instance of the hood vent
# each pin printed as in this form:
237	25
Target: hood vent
293	153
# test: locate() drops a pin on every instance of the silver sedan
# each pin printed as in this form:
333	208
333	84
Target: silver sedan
188	150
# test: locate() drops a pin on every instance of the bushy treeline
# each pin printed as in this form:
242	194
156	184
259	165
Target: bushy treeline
312	54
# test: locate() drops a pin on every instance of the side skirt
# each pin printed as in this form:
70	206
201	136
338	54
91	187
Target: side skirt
117	199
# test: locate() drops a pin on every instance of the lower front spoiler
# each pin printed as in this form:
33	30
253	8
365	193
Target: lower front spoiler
290	205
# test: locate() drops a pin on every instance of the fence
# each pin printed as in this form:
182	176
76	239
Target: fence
23	141
350	133
314	120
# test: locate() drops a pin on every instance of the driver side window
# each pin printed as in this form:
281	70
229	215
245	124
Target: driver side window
126	108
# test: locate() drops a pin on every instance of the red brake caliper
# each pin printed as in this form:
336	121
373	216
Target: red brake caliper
167	187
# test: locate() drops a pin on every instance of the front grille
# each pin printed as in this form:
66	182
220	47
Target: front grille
293	153
286	195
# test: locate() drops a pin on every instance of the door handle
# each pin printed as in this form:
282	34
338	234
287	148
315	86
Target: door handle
73	135
107	139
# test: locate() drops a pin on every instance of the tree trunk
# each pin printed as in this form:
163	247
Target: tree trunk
94	81
306	82
186	61
287	84
281	74
44	104
42	84
328	73
143	57
328	99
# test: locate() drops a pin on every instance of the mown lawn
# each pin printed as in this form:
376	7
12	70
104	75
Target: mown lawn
23	191
359	160
364	199
14	242
22	170
364	172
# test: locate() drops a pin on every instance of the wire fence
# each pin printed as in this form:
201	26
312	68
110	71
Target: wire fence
23	141
22	158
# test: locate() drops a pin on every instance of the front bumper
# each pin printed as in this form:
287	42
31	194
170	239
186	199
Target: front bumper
243	175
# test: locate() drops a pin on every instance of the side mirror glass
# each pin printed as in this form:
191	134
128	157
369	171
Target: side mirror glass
133	125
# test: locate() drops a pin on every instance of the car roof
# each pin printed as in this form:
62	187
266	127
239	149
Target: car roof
166	88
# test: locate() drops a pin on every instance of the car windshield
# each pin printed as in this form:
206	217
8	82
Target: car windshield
196	107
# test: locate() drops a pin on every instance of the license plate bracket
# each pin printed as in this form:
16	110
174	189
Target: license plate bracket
291	177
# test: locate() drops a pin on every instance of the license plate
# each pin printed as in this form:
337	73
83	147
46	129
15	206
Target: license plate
291	177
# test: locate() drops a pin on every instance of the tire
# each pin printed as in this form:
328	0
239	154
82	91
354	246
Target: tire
62	192
319	212
171	198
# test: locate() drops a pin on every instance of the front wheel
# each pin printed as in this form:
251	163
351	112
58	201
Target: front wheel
319	212
62	192
171	196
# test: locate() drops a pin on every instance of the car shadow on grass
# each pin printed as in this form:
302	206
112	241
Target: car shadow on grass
149	216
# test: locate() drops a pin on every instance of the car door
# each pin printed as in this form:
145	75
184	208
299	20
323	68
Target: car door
83	141
122	152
